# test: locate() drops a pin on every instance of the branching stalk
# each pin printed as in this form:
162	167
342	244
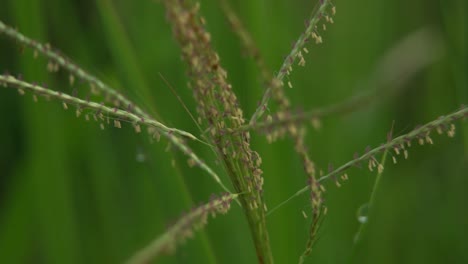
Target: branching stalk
218	110
100	110
291	58
66	63
422	134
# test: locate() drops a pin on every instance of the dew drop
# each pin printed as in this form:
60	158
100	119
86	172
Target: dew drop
362	213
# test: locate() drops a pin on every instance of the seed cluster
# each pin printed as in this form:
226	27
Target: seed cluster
399	146
106	115
295	130
57	60
226	128
112	96
219	112
311	32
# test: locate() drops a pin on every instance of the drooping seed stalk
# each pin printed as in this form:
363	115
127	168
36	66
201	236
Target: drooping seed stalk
443	124
102	112
59	59
85	104
75	70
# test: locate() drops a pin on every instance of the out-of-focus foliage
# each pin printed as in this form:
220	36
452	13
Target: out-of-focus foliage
71	193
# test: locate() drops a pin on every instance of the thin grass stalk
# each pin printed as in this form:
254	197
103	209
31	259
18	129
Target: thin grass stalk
363	225
296	132
59	59
443	124
291	58
418	50
103	112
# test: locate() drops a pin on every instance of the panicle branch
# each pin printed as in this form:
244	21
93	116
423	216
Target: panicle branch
399	145
103	113
57	60
183	229
418	50
311	32
295	130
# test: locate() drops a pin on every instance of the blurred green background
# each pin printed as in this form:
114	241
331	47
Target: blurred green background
71	193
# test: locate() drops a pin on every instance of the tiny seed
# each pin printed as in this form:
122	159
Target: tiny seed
380	168
137	128
71	79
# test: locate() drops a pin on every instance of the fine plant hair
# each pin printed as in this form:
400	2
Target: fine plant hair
226	129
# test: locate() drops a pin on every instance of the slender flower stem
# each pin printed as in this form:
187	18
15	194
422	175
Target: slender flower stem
421	133
85	104
290	59
363	225
75	69
118	114
69	65
346	106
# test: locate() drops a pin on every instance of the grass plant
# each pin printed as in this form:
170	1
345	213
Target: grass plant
226	146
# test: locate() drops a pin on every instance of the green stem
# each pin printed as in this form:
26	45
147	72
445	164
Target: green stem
421	132
291	58
69	65
117	114
363	225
